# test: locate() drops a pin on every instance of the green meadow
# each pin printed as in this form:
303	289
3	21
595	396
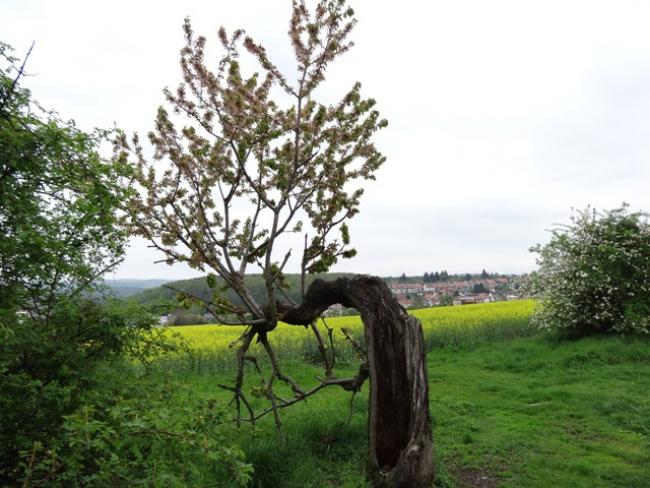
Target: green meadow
510	407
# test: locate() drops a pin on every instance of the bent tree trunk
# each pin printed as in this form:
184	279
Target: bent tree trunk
399	424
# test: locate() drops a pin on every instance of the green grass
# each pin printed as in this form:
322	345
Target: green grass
509	409
538	413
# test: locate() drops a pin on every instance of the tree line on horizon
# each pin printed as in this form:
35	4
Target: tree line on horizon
443	276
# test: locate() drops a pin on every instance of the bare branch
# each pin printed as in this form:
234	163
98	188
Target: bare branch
207	304
239	397
330	335
352	384
276	367
322	349
357	347
92	278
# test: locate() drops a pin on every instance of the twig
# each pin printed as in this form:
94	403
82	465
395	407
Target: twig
81	287
330	334
357	347
322	348
354	393
14	83
271	396
49	476
353	384
276	367
222	321
246	338
286	296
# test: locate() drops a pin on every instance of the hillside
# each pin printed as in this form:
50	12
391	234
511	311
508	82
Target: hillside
198	287
128	287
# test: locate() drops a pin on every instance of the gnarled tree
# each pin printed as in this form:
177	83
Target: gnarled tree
256	159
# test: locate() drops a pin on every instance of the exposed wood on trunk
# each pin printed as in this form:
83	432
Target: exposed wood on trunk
400	439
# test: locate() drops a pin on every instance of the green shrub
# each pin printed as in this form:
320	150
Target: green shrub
594	274
139	430
45	366
59	233
184	317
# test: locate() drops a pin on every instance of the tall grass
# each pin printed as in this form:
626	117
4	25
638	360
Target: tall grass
211	348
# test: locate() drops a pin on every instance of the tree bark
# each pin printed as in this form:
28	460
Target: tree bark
399	424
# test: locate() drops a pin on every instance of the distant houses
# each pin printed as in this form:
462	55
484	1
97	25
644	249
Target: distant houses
462	292
335	310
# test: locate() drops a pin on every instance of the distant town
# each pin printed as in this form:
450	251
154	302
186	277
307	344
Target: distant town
442	289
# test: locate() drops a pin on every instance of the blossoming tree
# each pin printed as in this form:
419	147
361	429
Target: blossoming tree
254	160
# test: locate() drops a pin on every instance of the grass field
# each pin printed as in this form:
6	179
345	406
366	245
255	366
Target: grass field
510	409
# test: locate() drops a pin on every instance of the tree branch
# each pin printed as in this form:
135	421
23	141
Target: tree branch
14	83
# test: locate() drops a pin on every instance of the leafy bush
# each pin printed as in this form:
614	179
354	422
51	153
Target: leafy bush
46	366
59	232
137	430
59	228
594	274
183	317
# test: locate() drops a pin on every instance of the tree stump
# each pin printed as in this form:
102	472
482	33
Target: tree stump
399	423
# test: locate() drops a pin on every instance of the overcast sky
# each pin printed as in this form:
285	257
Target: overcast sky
502	115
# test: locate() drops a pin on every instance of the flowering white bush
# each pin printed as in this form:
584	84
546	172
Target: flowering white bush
594	274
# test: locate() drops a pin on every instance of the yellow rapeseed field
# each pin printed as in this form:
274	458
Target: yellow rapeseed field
443	326
211	348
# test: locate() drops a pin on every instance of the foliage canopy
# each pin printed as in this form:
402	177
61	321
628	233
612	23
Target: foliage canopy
58	225
249	160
